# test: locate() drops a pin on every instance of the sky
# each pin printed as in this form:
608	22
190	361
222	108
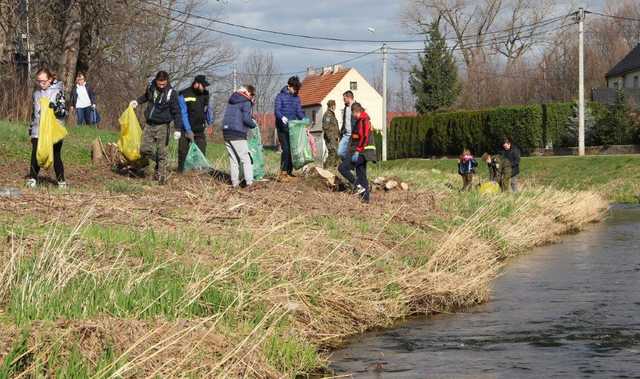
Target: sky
331	18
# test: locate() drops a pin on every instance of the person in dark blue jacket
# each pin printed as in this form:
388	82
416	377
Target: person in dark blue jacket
197	116
287	108
238	119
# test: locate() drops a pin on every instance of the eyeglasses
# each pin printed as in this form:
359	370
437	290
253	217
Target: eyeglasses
42	81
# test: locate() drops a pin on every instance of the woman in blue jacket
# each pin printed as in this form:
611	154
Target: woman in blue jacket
288	108
238	119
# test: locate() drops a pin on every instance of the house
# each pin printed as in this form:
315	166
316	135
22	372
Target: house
625	76
330	83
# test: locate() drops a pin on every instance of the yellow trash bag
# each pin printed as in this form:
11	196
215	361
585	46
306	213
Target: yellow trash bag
50	132
130	135
489	187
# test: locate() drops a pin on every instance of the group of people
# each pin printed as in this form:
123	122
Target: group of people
504	167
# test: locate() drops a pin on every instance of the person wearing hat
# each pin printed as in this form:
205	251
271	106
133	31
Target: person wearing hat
197	115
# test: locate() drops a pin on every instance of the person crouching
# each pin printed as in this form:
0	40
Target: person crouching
360	139
238	119
467	168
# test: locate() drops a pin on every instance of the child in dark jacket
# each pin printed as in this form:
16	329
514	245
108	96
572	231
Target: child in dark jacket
360	138
238	119
287	108
467	168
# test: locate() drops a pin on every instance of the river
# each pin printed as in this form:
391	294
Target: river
570	310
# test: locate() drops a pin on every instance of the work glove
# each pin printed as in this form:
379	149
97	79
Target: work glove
134	104
176	135
285	120
94	106
355	156
189	136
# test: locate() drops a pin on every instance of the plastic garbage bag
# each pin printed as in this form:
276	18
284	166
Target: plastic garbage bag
50	132
130	135
301	153
257	155
195	160
489	187
312	143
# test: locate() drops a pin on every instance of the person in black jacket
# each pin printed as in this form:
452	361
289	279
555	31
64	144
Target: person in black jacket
196	117
511	152
161	110
83	100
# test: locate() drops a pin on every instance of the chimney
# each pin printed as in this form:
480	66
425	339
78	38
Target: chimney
326	70
337	68
310	71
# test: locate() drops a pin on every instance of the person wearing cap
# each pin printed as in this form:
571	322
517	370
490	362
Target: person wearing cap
287	108
197	116
331	134
162	109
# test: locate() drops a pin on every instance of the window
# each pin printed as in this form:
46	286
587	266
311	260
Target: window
313	117
616	85
636	82
353	86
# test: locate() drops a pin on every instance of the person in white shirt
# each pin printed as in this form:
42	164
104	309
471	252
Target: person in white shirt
83	100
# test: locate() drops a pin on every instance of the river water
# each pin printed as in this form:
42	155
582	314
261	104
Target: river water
570	310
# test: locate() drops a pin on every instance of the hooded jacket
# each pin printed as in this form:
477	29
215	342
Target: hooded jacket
55	94
237	118
162	106
287	105
361	134
195	110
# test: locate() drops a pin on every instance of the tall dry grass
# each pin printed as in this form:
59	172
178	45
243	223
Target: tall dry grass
321	288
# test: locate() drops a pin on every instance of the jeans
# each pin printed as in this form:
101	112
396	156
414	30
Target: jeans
239	154
58	167
343	146
199	138
86	116
286	162
360	166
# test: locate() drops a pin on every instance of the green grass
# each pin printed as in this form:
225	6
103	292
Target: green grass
615	177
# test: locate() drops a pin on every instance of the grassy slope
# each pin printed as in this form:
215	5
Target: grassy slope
250	281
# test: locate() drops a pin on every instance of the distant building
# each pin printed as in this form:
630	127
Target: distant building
623	76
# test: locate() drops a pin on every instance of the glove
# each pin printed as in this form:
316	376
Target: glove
134	104
176	135
189	136
94	106
285	120
355	156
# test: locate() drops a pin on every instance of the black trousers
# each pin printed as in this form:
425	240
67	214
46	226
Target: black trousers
58	167
199	138
286	162
360	166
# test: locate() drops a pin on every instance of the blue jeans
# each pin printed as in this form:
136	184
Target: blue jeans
86	116
343	146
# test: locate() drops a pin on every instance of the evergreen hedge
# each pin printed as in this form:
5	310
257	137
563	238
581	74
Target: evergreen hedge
440	134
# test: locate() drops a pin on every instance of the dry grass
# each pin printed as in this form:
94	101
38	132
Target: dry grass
316	266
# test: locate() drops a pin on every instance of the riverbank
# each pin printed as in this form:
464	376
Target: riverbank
122	277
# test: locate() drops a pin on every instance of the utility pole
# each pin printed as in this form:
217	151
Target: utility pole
28	43
384	102
580	16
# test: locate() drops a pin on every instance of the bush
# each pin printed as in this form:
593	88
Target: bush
530	126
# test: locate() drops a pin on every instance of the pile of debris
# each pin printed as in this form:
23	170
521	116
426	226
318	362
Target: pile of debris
389	184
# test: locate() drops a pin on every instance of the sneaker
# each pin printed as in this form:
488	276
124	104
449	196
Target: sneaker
360	190
162	180
62	185
31	183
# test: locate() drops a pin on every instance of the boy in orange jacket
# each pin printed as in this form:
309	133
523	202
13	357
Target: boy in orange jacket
361	137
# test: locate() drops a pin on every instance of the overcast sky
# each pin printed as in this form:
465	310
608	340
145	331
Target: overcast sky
332	18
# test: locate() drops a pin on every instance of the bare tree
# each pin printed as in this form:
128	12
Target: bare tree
259	69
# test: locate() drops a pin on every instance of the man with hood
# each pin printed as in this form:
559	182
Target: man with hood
161	110
238	119
287	108
196	117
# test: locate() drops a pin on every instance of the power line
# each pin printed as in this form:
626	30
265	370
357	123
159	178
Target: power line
336	39
624	18
283	44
